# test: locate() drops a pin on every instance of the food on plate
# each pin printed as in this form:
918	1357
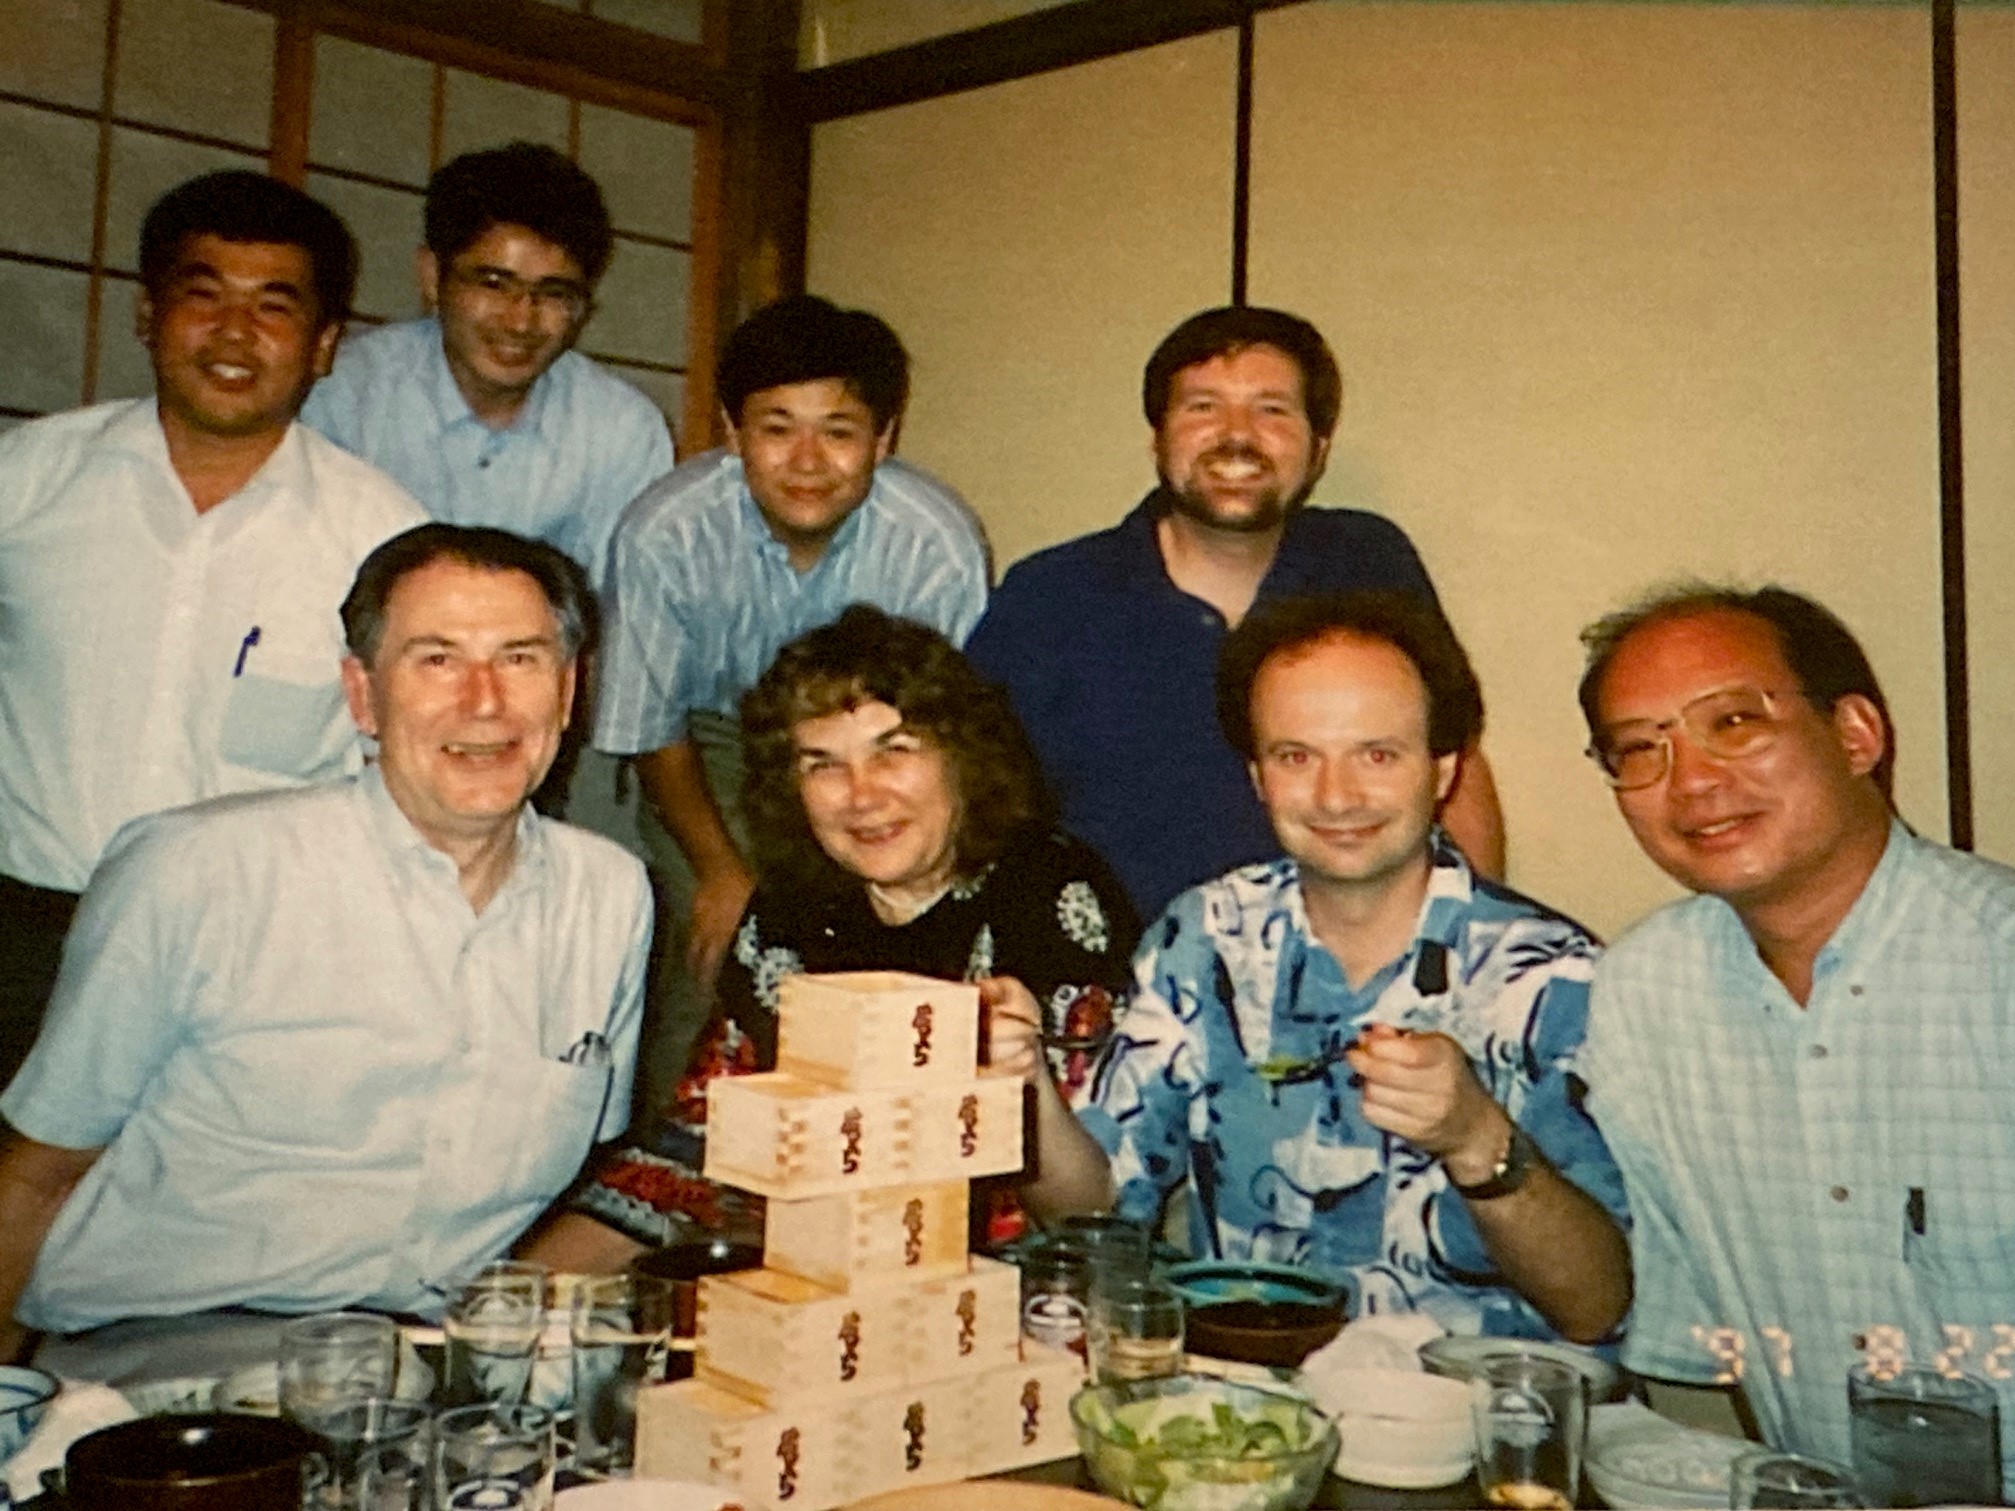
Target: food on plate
1195	1443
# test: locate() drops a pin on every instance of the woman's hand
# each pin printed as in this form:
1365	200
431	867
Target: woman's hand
1011	1024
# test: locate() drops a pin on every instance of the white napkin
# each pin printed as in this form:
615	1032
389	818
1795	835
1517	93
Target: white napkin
80	1407
1383	1340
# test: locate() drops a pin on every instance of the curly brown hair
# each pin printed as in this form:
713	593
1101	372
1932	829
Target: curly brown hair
867	656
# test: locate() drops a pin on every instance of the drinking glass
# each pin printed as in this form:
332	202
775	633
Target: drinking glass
393	1476
493	1458
353	1429
1119	1250
1924	1437
1765	1478
492	1324
1134	1330
1531	1415
622	1335
333	1360
1056	1283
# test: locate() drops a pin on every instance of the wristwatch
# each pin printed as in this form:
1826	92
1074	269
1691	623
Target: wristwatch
1521	1155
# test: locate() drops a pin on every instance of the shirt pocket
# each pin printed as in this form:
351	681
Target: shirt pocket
287	718
1960	1246
547	1113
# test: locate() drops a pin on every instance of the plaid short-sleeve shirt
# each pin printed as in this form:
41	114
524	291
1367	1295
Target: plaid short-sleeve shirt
1814	1187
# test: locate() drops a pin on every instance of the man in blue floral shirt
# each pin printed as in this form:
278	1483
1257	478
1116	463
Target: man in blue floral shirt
1362	1054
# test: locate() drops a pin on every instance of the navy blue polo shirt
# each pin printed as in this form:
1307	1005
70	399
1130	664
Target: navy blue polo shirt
1111	667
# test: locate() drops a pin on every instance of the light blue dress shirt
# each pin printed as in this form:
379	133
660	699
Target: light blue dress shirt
322	1078
1817	1186
1229	1068
703	596
584	445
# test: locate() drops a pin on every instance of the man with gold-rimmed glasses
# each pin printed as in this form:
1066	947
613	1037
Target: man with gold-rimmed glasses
1803	1069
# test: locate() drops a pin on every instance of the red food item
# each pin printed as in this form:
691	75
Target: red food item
667	1190
726	1051
1089	1015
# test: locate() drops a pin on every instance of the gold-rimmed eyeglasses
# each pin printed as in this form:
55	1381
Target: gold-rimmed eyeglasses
549	296
1730	724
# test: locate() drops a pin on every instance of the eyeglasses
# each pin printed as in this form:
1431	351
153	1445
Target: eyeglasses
1730	724
549	296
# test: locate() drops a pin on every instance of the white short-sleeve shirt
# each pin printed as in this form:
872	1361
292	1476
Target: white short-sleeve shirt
319	1077
152	656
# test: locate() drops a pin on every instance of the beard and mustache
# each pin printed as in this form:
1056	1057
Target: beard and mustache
1261	509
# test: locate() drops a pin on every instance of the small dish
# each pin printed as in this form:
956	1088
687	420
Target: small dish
1403	1429
1205	1281
177	1397
25	1395
1640	1461
1262	1332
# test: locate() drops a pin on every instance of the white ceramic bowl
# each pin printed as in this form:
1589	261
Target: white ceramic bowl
1401	1428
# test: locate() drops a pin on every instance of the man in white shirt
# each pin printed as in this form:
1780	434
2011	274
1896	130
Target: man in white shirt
325	1048
170	567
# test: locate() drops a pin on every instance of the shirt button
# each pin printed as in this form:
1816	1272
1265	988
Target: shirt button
1854	990
1817	1051
1838	1193
1859	1342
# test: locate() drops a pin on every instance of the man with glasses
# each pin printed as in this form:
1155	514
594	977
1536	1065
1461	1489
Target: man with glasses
483	409
1803	1070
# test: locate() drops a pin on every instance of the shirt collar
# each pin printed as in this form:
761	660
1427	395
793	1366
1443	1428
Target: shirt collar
1138	561
451	408
283	475
1451	886
396	835
1875	913
769	546
1877	909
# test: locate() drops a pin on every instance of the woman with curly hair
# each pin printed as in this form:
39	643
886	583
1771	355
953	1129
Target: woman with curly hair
898	822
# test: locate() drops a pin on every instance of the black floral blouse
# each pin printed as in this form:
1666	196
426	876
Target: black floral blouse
1048	913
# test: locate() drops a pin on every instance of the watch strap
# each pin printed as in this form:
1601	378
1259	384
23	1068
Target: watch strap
1511	1172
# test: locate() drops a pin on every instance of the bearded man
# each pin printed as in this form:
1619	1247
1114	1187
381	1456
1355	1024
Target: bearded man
1107	644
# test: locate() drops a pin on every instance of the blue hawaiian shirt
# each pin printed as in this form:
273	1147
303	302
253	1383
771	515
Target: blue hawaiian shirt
1229	1069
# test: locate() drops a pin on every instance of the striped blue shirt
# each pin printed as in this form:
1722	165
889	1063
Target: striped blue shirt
703	596
584	445
1229	1068
1814	1187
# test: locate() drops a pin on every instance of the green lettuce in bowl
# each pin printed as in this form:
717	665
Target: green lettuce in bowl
1198	1443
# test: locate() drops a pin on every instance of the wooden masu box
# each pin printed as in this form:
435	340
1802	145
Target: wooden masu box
871	1351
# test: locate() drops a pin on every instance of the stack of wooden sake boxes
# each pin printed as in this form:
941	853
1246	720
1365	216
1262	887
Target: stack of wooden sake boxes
871	1351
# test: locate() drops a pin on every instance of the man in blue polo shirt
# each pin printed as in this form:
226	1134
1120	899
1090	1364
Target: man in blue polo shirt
483	410
1107	643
